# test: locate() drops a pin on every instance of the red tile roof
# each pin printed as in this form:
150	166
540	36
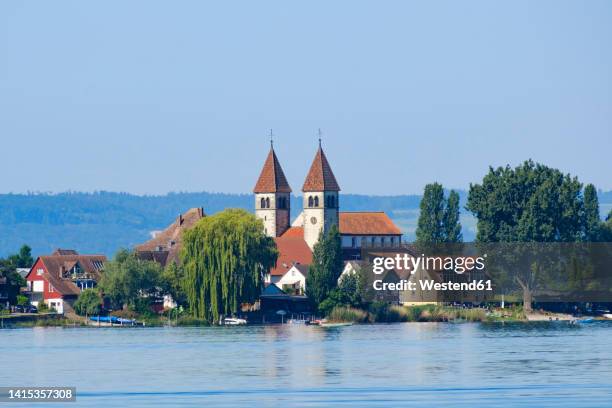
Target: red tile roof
272	179
56	265
170	239
367	223
294	232
320	176
292	249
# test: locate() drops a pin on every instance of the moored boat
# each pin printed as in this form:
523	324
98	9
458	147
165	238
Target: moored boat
335	324
234	321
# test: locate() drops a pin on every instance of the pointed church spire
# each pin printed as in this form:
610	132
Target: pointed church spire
320	176
272	178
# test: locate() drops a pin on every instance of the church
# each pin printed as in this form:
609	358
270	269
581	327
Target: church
295	239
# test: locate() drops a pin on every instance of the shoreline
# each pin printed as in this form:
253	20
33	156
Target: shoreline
61	321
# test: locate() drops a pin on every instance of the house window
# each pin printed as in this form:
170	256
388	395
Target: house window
392	241
364	242
353	242
382	241
39	271
373	241
51	288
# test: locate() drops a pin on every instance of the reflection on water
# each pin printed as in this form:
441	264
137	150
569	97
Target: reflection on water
412	364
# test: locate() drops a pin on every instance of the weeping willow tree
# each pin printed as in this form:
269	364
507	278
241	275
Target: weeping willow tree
225	257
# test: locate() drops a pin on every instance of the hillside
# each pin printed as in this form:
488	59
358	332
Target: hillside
102	222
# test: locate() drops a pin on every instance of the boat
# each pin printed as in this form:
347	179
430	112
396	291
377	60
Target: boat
234	321
607	315
114	320
105	319
335	324
583	321
297	321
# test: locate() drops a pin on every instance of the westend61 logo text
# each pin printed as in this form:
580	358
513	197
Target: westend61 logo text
459	265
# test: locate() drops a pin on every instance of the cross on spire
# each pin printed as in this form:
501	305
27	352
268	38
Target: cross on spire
271	139
320	134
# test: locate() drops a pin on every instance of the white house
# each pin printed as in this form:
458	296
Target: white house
294	279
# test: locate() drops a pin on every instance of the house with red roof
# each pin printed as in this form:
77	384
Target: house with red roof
321	210
59	278
165	246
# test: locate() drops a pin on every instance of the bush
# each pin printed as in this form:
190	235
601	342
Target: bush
473	315
88	303
22	300
347	314
126	314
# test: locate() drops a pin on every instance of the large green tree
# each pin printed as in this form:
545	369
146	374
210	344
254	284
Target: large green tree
529	203
225	257
127	279
9	278
593	226
439	217
88	303
430	227
173	281
326	266
22	259
452	226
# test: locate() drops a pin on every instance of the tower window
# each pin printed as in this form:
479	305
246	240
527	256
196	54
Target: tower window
262	203
310	201
267	202
316	201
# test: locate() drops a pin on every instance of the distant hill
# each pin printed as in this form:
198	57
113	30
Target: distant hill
103	222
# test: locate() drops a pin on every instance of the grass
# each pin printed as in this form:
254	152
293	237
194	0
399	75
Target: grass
385	313
347	314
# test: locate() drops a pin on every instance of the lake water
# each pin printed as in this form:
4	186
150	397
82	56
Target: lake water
409	364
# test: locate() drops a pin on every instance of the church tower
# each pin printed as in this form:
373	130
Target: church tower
272	196
320	198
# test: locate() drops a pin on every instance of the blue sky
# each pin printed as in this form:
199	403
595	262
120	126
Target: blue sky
151	97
